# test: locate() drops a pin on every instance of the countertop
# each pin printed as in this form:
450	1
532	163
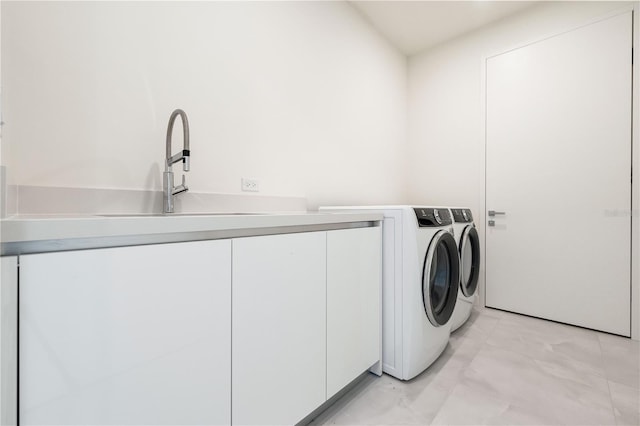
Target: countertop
43	233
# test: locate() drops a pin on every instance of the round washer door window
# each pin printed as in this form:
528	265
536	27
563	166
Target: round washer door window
470	261
440	278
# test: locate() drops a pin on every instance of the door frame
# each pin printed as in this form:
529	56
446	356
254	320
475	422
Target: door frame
634	215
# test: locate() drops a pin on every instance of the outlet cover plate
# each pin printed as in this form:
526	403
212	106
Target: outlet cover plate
250	185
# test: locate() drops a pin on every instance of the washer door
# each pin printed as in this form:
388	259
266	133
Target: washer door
469	260
440	278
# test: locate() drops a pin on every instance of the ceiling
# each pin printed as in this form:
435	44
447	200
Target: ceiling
413	26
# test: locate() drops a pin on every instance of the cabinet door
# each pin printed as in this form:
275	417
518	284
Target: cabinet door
132	335
279	327
353	304
8	340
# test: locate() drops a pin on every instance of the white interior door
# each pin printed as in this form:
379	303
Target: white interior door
558	140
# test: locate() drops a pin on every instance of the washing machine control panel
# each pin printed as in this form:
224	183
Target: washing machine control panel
462	215
429	217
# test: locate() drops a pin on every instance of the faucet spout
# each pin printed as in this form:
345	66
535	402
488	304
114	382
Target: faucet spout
169	190
185	154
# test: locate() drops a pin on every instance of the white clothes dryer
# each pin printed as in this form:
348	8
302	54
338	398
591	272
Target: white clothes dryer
420	279
469	251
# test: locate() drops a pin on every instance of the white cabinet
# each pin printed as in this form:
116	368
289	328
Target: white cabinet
279	327
353	304
8	340
159	334
132	335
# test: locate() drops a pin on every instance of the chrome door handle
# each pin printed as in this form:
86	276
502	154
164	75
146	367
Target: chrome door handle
492	223
495	213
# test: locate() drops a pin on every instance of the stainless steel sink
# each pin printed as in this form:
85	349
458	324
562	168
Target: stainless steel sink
176	214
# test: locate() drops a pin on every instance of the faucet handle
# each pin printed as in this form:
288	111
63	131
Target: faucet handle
180	188
183	186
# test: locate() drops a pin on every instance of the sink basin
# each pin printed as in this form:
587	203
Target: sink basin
176	214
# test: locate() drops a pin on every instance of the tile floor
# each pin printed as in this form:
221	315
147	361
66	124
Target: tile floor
506	369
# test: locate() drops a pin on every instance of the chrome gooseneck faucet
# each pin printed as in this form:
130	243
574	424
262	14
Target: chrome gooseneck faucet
168	189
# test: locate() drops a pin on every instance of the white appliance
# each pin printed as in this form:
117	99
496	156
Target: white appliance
420	278
468	242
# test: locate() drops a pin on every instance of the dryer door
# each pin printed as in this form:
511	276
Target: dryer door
440	278
469	260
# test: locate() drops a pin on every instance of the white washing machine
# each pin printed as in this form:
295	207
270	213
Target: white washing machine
420	279
469	250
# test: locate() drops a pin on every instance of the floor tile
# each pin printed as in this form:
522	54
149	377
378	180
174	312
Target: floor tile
445	372
626	403
507	369
575	350
522	382
467	406
621	357
385	401
477	328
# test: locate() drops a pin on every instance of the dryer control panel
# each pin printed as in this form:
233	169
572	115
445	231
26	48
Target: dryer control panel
430	217
462	215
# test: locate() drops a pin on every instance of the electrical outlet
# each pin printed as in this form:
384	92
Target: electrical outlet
250	185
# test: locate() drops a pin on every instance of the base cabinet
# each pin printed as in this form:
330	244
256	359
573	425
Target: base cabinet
279	328
354	259
132	335
246	331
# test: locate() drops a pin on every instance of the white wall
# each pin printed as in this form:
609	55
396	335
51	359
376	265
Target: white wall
635	206
304	96
3	182
446	121
1	145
